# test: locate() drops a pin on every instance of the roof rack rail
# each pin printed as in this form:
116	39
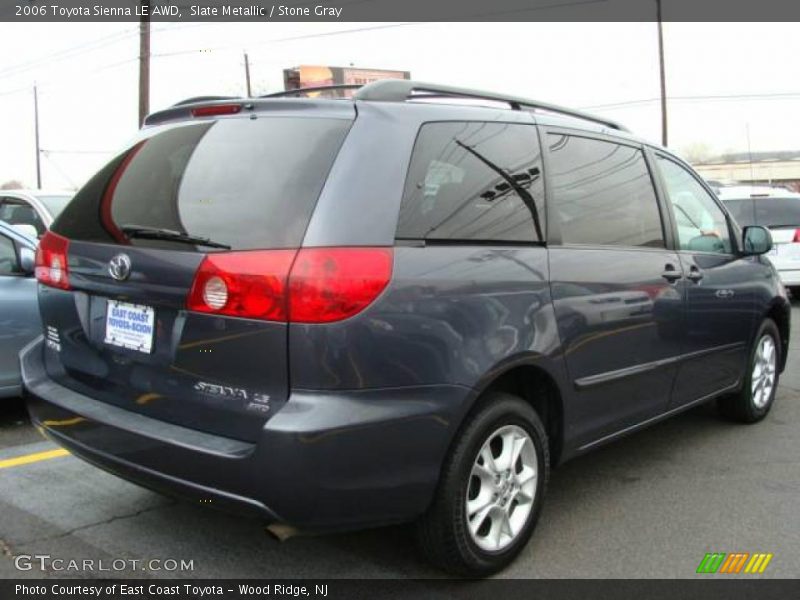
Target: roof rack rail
321	88
400	90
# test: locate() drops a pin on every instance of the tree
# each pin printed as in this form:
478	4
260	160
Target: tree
696	152
12	184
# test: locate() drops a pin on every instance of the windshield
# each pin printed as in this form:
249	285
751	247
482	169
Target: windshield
54	203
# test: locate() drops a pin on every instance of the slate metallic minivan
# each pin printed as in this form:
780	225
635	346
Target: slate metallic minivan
406	305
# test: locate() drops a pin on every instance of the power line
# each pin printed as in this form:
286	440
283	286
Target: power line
777	95
236	46
66	53
85	48
51	151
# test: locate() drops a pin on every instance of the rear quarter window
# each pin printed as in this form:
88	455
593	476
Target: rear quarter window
245	183
474	181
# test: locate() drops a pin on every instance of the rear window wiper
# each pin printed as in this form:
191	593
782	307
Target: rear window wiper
156	233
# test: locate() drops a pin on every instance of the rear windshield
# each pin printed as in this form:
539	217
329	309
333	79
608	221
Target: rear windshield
742	211
242	183
777	212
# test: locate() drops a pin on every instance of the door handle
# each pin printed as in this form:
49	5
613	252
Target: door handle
670	273
695	274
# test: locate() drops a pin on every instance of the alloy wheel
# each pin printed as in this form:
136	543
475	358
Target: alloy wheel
502	488
764	368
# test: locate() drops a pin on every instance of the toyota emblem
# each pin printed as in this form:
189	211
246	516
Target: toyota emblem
119	267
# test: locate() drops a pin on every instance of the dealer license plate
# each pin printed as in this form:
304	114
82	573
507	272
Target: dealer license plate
130	326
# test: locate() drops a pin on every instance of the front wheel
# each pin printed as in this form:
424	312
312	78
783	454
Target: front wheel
491	490
753	401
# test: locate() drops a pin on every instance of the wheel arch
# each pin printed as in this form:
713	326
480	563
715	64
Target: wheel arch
537	386
780	312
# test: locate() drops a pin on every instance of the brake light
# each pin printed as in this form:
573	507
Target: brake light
312	285
216	109
331	284
51	261
796	237
243	284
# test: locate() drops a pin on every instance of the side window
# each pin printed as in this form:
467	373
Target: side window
602	193
702	226
8	257
474	181
17	212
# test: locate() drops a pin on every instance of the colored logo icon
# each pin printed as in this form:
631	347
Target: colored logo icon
734	563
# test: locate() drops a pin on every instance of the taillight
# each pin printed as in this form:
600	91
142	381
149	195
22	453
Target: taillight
51	261
312	285
243	284
216	109
796	237
331	284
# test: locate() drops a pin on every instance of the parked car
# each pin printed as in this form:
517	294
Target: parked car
19	311
345	313
34	208
778	210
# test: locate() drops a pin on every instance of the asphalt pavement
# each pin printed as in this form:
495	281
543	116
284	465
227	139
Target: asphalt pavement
650	505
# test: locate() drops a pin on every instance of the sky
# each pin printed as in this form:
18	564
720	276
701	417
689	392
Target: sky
732	86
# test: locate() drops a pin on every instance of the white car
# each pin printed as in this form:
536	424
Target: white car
778	210
36	209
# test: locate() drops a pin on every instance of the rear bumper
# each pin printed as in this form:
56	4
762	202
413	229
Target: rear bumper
326	460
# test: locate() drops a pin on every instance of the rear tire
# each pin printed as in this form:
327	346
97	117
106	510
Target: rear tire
754	400
487	503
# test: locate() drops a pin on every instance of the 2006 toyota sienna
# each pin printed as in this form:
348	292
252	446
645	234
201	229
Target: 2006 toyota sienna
405	305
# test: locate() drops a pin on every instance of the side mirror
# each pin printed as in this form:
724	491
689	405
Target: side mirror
27	260
756	240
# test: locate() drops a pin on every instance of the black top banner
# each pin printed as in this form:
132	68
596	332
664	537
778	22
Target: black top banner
398	10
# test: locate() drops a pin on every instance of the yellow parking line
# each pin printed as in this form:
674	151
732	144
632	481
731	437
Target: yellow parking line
32	458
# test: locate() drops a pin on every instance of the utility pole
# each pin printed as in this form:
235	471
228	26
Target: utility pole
247	75
36	135
144	64
663	77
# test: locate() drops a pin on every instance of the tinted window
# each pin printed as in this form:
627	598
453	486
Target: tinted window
777	212
474	181
18	212
246	183
602	193
8	256
702	226
742	211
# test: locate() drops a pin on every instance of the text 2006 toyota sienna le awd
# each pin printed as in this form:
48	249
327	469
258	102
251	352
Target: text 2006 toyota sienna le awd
402	306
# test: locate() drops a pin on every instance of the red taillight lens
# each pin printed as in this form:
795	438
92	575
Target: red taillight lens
216	109
796	237
51	261
331	284
243	284
312	285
